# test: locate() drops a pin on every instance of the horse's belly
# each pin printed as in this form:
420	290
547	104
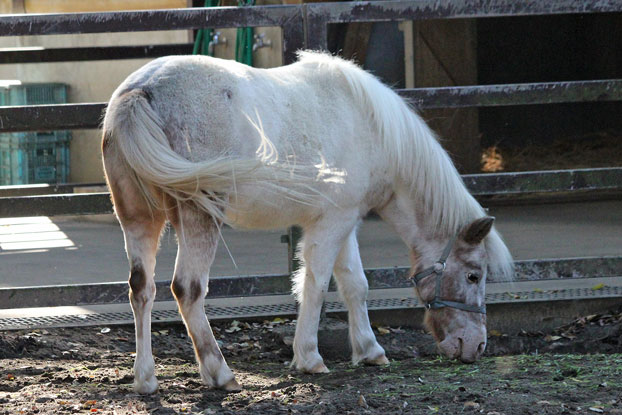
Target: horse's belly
277	214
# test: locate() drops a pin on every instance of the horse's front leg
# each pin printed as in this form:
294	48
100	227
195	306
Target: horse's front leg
197	235
353	287
319	247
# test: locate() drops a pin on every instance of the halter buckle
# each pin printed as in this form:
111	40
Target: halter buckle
439	267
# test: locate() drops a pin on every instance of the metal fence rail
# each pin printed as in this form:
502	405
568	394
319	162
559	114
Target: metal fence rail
288	17
306	26
319	15
69	116
487	188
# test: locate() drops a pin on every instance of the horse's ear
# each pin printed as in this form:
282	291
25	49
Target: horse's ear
477	230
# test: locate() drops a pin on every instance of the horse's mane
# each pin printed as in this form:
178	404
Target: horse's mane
417	158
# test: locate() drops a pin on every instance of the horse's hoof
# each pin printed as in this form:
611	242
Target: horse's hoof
146	387
232	386
377	361
319	368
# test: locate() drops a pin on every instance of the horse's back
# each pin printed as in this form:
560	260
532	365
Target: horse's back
211	107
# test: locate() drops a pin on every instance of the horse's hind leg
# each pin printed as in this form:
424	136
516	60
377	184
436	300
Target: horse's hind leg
197	235
141	229
348	272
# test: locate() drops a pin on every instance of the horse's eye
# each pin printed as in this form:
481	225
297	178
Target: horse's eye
472	277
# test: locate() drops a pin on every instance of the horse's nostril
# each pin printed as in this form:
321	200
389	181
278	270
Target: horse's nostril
460	346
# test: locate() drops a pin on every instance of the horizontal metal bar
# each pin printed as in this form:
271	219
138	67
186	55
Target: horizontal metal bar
319	15
46	189
54	205
253	285
37	55
51	117
367	11
533	182
480	185
514	94
147	20
72	116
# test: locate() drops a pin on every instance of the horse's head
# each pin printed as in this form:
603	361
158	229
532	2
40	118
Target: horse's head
452	286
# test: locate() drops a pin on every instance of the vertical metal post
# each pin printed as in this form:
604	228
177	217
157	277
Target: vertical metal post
294	234
316	28
293	37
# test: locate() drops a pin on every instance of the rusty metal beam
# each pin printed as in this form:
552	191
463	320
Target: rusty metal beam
255	285
147	20
554	181
54	205
38	55
288	17
45	189
51	117
514	94
72	116
319	15
482	186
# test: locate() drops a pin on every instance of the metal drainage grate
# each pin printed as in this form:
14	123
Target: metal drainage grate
554	295
287	307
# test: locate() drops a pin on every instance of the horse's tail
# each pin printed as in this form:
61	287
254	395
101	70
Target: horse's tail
135	130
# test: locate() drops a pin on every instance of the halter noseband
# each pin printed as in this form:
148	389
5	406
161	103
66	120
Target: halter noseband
438	268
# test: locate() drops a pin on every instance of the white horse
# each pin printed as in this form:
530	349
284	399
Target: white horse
320	143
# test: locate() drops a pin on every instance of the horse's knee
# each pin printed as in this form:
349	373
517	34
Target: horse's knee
352	288
187	293
139	284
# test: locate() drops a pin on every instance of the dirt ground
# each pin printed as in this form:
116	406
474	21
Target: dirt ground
89	370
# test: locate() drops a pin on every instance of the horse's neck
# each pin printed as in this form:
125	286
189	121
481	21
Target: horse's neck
411	224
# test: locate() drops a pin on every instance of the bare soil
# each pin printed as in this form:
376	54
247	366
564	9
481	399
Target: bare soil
89	370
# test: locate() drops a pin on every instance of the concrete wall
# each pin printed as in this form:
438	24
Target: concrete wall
88	81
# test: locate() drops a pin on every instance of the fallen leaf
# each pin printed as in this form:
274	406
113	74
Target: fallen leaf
550	338
383	330
363	402
598	287
105	330
470	405
596	409
494	333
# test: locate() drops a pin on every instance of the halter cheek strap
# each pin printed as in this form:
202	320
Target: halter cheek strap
438	268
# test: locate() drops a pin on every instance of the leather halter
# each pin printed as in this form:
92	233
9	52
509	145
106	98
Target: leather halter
438	268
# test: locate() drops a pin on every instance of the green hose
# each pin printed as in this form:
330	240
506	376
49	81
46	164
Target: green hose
204	36
243	39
